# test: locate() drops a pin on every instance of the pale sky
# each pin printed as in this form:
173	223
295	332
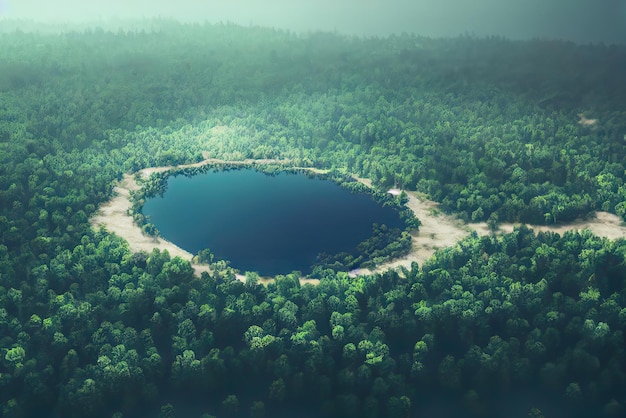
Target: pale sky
578	20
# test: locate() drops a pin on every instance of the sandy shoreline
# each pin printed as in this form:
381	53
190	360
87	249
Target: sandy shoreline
437	231
114	215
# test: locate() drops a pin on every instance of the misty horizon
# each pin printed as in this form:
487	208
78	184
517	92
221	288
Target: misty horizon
575	20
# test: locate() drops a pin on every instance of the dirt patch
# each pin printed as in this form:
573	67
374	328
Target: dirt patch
603	224
586	122
114	216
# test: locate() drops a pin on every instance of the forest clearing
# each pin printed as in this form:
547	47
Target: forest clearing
438	230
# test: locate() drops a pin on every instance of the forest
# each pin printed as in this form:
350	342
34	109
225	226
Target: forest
521	325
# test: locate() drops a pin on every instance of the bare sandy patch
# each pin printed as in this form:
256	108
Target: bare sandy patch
363	180
603	224
586	122
114	216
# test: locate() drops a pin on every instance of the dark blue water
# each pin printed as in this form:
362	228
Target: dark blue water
268	224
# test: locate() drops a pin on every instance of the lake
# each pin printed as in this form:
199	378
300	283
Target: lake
271	224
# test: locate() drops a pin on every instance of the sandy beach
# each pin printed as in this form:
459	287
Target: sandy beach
115	216
438	230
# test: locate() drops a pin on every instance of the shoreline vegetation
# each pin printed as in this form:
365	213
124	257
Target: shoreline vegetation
437	229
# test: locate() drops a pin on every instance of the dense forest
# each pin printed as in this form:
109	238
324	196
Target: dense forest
516	325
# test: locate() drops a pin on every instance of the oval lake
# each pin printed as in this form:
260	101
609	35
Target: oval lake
271	224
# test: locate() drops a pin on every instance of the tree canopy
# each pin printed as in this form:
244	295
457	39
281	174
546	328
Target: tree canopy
522	324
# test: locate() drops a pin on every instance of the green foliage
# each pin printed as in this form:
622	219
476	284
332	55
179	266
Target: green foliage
15	356
488	127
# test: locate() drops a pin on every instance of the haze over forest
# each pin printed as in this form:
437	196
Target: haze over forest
576	20
442	121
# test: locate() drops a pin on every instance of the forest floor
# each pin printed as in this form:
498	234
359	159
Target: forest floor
438	230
